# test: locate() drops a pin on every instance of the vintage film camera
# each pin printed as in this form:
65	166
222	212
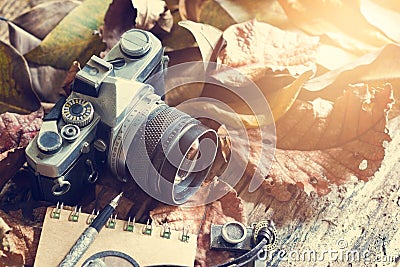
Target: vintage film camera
113	118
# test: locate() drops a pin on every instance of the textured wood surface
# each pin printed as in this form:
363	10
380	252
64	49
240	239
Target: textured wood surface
354	219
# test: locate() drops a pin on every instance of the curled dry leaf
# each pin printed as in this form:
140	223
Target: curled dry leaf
16	92
41	19
200	218
315	17
120	17
150	13
16	131
123	15
254	48
375	68
73	38
321	143
190	10
26	33
278	62
20	245
206	36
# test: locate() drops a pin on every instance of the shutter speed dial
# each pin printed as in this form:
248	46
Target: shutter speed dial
78	112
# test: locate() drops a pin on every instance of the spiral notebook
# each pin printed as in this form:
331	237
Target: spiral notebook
147	244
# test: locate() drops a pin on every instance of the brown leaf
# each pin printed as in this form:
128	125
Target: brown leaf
253	48
206	36
382	18
27	33
22	240
119	18
315	17
223	13
150	13
22	40
375	68
16	131
322	143
69	79
278	62
179	38
200	218
190	10
16	92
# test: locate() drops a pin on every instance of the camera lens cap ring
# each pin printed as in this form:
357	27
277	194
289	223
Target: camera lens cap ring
70	132
233	232
49	142
135	43
60	187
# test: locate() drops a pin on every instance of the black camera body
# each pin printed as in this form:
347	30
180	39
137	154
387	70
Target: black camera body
115	118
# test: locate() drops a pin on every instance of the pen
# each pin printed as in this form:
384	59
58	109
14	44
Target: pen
89	235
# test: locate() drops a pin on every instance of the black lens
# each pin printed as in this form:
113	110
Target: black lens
180	151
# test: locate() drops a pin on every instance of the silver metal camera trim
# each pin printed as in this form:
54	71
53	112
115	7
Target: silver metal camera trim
134	119
225	234
131	70
57	164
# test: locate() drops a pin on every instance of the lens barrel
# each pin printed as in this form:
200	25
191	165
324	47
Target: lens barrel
171	154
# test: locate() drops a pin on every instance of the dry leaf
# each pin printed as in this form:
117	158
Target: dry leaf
206	36
315	17
73	38
200	218
150	13
259	58
69	79
190	10
22	40
382	18
27	33
16	92
253	48
16	131
22	242
41	19
223	13
321	143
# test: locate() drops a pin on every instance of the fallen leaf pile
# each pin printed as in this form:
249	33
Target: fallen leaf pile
328	69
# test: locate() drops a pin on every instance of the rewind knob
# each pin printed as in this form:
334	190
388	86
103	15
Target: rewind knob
77	111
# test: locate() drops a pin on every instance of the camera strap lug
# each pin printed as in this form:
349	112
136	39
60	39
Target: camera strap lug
94	175
60	186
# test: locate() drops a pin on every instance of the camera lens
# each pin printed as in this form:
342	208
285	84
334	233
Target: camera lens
188	163
184	151
167	152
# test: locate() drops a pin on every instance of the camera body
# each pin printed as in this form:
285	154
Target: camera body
81	133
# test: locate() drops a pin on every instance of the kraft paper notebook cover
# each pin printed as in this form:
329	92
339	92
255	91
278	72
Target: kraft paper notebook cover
58	236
